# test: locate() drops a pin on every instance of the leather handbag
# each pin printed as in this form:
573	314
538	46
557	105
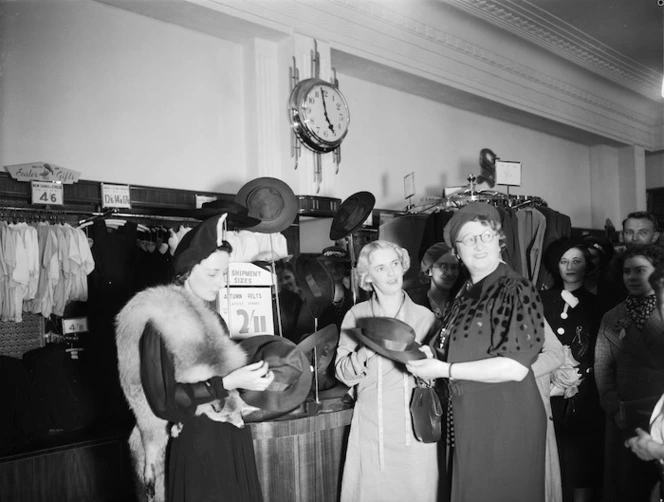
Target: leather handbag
426	413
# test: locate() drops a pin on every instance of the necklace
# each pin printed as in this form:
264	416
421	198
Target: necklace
375	298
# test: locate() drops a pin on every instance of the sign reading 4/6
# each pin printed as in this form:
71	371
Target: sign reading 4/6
47	192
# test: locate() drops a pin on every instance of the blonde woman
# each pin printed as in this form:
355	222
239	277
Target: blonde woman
384	461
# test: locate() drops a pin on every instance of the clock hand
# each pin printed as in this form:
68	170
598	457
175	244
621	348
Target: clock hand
325	113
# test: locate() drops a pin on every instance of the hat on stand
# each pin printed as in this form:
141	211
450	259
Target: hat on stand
292	376
325	342
271	201
316	282
351	214
238	215
388	337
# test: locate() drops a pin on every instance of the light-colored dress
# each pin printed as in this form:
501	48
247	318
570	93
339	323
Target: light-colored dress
384	460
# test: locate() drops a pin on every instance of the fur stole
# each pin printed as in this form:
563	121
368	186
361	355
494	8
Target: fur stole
201	349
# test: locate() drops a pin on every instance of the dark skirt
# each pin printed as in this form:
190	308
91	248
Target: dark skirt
212	461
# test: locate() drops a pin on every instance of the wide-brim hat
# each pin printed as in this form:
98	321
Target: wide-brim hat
292	376
271	201
325	342
351	214
388	337
335	254
316	283
238	215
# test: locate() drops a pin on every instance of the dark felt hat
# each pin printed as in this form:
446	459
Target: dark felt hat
271	201
433	254
466	214
316	282
325	342
335	254
196	245
602	245
238	215
292	376
351	214
388	337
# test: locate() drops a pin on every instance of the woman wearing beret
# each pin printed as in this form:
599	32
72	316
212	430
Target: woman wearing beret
384	461
629	370
495	330
573	314
179	366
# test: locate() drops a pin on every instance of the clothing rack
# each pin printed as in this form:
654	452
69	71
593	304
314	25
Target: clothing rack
495	198
52	214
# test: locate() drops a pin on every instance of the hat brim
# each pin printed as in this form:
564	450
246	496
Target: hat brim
399	356
288	213
273	403
233	220
325	341
340	228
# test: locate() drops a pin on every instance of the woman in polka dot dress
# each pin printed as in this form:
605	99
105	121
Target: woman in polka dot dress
495	331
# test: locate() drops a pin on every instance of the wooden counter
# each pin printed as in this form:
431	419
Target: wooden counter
300	457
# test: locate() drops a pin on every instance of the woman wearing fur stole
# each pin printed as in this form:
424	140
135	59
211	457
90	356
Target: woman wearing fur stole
180	373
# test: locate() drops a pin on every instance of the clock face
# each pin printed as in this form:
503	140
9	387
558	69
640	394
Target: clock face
319	115
325	113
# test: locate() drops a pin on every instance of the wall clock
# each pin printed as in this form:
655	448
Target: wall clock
318	114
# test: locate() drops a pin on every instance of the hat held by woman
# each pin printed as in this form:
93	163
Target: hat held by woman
388	337
292	376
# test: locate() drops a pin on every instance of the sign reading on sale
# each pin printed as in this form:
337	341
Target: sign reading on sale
250	311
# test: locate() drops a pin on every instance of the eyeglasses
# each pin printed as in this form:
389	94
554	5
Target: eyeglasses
486	237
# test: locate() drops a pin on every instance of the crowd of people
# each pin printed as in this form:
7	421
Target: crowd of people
546	395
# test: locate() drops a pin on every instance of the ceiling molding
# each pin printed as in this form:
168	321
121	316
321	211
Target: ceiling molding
536	25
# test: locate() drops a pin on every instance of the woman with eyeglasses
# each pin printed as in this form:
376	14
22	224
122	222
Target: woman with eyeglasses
495	330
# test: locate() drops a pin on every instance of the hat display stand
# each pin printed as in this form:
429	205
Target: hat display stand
353	265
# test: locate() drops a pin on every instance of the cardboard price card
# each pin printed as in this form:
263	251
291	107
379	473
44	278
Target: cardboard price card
250	311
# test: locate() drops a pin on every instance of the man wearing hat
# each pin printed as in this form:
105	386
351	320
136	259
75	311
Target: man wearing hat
177	364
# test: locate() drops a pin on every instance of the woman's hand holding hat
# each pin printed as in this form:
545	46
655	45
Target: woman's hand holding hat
366	352
428	369
254	376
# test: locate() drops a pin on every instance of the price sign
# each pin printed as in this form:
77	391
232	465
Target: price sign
47	192
115	196
75	325
250	311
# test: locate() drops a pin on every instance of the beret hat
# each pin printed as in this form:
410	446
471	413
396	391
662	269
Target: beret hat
197	244
468	213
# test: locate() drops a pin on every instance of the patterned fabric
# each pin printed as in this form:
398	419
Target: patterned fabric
639	308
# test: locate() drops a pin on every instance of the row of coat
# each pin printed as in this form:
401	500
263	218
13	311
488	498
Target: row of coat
42	268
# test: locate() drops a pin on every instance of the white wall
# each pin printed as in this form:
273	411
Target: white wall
393	133
128	99
121	97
